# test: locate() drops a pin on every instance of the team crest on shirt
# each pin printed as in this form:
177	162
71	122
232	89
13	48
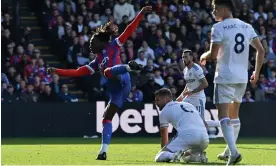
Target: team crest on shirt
190	74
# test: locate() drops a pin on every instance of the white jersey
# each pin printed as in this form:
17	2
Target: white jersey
192	77
235	37
183	116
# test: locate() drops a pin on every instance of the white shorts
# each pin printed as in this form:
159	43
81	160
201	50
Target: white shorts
199	104
229	93
196	140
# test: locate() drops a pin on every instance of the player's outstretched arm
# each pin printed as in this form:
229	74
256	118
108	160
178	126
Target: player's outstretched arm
133	25
81	71
164	136
181	96
256	43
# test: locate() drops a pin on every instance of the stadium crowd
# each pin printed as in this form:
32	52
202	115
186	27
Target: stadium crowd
157	44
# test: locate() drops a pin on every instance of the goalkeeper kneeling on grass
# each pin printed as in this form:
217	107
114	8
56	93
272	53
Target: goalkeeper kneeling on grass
192	138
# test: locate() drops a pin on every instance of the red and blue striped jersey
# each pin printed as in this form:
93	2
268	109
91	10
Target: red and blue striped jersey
110	56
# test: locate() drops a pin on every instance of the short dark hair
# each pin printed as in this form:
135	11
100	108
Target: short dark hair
163	92
227	3
187	51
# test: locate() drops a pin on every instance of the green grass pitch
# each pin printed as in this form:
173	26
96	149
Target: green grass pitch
122	151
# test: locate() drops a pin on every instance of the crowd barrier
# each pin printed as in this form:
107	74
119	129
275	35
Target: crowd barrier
135	119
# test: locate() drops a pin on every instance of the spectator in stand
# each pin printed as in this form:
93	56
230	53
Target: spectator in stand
259	89
157	77
48	96
65	96
30	49
36	84
161	49
153	18
10	96
29	96
55	85
30	71
5	39
53	18
25	36
4	78
11	73
58	29
104	18
149	53
260	12
247	97
22	87
141	59
95	22
70	50
79	26
3	89
61	5
15	59
124	24
149	88
149	67
268	67
169	82
130	50
16	82
7	24
180	86
24	61
80	52
135	95
174	92
36	53
121	9
270	86
42	73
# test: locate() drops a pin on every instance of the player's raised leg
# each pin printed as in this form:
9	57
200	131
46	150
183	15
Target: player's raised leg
118	94
114	71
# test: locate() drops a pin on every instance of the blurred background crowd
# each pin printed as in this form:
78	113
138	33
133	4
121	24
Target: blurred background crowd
157	44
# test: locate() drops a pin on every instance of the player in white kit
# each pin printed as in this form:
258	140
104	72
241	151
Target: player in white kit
192	137
230	42
196	82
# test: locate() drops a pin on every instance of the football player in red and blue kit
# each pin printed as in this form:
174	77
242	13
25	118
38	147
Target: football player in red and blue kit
114	74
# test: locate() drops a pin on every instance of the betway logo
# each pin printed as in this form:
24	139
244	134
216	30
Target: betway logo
133	121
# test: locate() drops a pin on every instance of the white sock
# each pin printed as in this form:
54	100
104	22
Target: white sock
212	123
164	156
237	125
228	133
104	148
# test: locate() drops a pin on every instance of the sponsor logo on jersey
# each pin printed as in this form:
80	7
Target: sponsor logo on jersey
190	80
